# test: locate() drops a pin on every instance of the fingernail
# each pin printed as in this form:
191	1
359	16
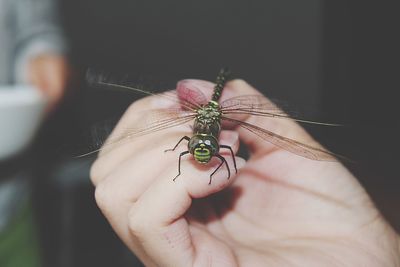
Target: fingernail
199	90
194	83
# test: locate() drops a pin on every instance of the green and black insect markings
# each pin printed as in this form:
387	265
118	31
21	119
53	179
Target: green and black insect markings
203	145
220	82
207	116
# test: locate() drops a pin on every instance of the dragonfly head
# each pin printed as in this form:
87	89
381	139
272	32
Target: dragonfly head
203	147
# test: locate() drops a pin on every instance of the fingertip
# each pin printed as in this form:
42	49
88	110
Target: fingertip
238	83
240	86
205	87
195	83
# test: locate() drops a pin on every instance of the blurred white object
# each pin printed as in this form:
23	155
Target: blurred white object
21	112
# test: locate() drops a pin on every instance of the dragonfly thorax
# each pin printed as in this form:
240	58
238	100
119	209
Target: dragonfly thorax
208	120
209	113
203	147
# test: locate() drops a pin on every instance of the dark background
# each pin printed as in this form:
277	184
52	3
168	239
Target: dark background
331	60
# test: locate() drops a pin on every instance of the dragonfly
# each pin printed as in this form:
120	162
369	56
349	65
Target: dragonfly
207	117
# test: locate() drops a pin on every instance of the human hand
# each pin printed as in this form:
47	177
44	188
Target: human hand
49	73
279	210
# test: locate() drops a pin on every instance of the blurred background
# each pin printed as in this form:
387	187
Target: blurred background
333	61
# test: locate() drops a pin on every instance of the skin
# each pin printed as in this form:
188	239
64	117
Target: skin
279	210
49	73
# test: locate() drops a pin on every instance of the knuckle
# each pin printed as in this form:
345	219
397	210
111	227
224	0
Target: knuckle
239	86
104	198
239	83
134	112
94	173
136	223
139	105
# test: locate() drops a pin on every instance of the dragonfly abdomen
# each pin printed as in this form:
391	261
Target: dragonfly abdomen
222	78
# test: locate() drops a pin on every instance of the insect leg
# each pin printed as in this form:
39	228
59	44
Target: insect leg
187	138
179	163
223	160
233	156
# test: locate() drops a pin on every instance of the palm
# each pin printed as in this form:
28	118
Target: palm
298	213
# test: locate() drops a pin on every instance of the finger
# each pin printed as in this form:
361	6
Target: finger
156	219
120	147
128	180
117	192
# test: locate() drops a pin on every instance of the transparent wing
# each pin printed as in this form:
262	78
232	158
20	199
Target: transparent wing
189	98
251	102
288	144
258	105
150	121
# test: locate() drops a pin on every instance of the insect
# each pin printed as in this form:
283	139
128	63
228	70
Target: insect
207	117
203	145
